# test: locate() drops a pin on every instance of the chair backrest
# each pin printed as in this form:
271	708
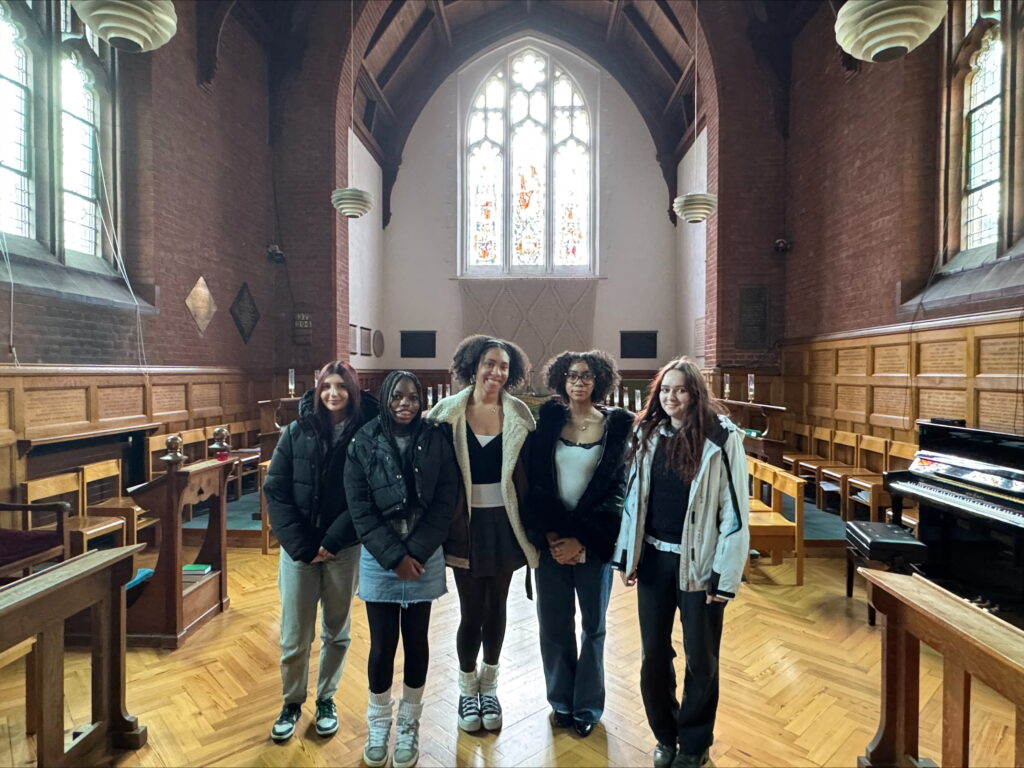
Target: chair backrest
900	455
844	446
193	443
252	433
156	446
873	453
53	488
238	434
821	442
798	436
97	472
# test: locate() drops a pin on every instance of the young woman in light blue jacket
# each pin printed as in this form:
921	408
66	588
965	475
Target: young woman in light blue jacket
684	541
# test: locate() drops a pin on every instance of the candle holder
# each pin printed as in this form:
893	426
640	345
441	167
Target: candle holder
726	386
291	382
750	387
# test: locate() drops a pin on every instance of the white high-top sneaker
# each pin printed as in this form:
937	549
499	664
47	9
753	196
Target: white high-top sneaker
490	709
407	735
378	729
469	701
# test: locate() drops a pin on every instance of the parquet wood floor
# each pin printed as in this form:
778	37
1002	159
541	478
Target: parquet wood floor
800	680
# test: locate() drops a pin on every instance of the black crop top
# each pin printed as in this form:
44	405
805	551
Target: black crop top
484	460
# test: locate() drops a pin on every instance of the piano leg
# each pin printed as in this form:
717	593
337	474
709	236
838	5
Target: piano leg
897	509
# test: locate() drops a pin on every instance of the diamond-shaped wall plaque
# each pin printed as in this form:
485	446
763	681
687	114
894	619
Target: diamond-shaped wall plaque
244	312
201	304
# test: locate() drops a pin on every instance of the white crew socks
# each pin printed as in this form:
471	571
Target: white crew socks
488	679
469	685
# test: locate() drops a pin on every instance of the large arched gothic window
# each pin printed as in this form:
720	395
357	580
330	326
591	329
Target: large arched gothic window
982	141
528	171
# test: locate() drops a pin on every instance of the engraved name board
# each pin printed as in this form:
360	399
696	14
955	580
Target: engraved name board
5	410
821	395
235	393
168	398
852	399
943	357
205	395
999	355
793	363
823	362
793	396
63	406
1001	411
890	401
853	362
115	402
943	403
891	359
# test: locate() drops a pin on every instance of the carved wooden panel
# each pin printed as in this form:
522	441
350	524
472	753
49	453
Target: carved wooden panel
852	400
56	406
891	359
942	403
943	357
168	398
999	355
235	393
118	402
853	361
793	396
821	396
890	401
1001	411
205	395
823	362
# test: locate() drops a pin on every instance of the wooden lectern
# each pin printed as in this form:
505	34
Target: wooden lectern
766	418
168	610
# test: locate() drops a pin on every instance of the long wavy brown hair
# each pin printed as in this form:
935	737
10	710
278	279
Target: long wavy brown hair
684	449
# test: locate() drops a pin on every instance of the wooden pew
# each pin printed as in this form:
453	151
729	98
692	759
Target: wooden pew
22	548
872	457
974	645
868	490
765	418
83	527
769	529
34	609
167	611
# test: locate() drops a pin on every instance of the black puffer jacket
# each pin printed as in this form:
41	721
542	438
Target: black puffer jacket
304	485
385	500
595	520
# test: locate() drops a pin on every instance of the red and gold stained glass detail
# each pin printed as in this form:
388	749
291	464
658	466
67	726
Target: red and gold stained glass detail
571	175
486	170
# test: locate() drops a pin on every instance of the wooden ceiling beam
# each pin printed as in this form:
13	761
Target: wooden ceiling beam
423	21
614	14
442	21
669	14
369	84
385	21
653	44
684	80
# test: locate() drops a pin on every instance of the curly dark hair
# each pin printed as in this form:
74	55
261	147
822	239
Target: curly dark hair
472	348
601	364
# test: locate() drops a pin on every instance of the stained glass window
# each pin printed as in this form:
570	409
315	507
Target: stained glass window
16	203
528	143
78	131
982	137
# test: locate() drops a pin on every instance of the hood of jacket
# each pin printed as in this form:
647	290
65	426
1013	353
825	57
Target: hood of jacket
369	408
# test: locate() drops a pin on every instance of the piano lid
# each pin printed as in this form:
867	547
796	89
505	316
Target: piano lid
981	458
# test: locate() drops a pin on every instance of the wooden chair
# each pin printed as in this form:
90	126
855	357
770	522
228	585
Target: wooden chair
23	548
770	530
843	453
819	446
156	446
872	455
114	505
265	532
868	490
82	528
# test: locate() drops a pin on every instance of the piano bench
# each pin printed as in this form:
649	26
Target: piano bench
891	545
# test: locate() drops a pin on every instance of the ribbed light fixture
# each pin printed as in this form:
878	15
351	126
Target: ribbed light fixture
352	201
695	207
134	26
883	30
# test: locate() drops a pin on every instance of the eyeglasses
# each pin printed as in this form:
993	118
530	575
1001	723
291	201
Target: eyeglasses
586	377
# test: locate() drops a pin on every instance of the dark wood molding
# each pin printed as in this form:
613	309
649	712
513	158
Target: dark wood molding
657	50
614	15
684	85
442	21
210	18
368	83
400	54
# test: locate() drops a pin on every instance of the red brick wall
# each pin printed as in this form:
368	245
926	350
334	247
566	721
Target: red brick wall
861	182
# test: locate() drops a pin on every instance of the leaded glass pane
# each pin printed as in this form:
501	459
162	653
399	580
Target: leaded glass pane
572	205
981	216
970	15
529	172
983	144
485	209
986	79
78	163
528	70
80	230
495	126
983	138
519	105
563	92
476	127
539	107
562	125
16	203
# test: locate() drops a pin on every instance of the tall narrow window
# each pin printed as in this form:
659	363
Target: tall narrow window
982	139
528	171
79	158
16	204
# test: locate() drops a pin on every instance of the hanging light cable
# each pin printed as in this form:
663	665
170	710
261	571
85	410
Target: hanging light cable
695	207
352	201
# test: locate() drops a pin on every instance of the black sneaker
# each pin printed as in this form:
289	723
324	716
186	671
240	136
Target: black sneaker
490	711
469	713
326	717
285	725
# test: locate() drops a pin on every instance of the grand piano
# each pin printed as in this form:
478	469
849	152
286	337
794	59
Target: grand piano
969	485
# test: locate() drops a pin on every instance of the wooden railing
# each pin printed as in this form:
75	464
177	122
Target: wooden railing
974	645
33	611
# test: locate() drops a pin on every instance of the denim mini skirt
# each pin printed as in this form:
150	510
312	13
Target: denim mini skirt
377	585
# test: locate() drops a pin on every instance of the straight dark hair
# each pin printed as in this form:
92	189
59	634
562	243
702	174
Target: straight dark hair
350	380
684	449
387	422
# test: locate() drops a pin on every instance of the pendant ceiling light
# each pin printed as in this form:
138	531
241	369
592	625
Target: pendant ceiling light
134	26
883	30
352	201
695	207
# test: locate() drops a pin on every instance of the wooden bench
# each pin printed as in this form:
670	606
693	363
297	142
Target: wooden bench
82	528
22	548
842	453
770	530
115	504
868	490
818	446
872	455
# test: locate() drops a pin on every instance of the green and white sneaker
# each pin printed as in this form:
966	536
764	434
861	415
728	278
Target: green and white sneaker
326	717
284	726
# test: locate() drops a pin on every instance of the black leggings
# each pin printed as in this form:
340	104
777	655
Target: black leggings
482	601
385	621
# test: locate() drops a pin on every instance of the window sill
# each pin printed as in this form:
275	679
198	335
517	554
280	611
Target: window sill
989	280
38	272
528	276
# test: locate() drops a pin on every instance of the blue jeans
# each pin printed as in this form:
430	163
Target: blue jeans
575	683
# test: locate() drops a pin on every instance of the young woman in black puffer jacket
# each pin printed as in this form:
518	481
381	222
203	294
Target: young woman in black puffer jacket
319	562
402	484
577	478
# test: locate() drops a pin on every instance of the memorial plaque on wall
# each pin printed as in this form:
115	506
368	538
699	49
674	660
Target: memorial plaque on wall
235	392
205	395
698	337
852	400
752	317
1000	355
118	402
942	357
853	362
942	403
890	401
168	398
1001	411
793	363
821	396
823	362
244	312
365	337
891	359
62	406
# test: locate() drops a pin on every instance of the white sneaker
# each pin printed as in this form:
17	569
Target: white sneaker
407	736
378	733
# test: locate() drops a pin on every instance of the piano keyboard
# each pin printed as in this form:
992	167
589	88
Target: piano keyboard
952	498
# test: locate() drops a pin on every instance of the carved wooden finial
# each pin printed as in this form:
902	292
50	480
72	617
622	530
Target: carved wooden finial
174	454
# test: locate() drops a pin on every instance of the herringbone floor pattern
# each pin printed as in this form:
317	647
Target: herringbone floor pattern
800	680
